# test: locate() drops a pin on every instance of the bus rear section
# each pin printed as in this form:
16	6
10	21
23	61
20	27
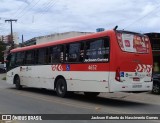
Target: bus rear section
132	63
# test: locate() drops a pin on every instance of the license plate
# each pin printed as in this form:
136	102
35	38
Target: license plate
136	79
136	86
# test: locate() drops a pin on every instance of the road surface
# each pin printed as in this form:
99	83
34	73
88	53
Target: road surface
40	101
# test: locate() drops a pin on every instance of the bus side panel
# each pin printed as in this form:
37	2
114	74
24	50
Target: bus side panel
33	76
87	81
39	76
10	75
43	76
91	77
113	62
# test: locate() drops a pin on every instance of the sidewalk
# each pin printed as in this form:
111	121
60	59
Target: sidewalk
144	97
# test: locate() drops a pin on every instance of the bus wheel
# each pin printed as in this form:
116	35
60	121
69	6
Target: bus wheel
61	87
17	83
91	94
156	88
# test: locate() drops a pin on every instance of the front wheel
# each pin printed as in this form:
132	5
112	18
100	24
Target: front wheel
156	88
17	83
61	88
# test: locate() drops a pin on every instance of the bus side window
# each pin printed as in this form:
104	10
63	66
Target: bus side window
97	50
49	55
20	58
74	53
81	54
12	61
8	62
56	54
29	57
42	56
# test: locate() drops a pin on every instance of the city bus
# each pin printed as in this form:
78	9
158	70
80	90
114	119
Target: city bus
155	44
108	61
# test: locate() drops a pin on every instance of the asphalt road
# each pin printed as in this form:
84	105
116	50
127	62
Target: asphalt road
40	101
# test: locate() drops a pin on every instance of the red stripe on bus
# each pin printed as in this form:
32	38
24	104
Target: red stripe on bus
91	67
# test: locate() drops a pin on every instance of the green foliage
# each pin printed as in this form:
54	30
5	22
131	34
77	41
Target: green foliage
2	48
4	78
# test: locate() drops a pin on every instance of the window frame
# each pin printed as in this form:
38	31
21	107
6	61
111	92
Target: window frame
32	57
83	47
50	51
23	59
14	66
82	43
36	56
105	38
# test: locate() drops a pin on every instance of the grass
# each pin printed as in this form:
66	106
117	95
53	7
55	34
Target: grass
4	78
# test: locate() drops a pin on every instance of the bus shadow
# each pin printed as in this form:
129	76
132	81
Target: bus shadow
105	101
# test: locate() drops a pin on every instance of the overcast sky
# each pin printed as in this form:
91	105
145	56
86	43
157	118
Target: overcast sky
42	17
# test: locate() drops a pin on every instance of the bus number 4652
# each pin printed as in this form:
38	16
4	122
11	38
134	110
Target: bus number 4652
92	67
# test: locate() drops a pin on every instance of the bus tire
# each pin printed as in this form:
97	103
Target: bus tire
61	87
91	94
17	83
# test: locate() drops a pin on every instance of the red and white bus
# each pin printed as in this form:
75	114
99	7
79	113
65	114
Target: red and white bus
108	61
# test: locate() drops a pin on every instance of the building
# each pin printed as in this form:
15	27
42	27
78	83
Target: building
15	38
29	42
53	37
59	36
7	38
7	42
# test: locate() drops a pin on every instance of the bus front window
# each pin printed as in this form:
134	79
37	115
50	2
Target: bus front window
10	61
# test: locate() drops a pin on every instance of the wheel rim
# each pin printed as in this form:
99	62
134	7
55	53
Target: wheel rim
17	81
156	88
61	88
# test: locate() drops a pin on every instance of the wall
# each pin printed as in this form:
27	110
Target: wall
59	36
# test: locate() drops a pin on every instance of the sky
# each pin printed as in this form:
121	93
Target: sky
43	17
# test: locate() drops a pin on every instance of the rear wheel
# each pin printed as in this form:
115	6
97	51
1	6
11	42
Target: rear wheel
17	83
61	87
156	88
91	94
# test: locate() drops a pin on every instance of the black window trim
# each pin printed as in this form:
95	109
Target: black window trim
82	42
90	40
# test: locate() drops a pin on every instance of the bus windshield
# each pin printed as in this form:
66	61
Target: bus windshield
134	43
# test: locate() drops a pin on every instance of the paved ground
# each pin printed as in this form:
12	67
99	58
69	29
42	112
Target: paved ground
38	101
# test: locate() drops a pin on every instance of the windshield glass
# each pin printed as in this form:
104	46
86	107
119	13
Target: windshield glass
134	43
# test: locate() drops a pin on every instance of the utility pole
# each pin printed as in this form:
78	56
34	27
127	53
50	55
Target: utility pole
11	20
22	39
